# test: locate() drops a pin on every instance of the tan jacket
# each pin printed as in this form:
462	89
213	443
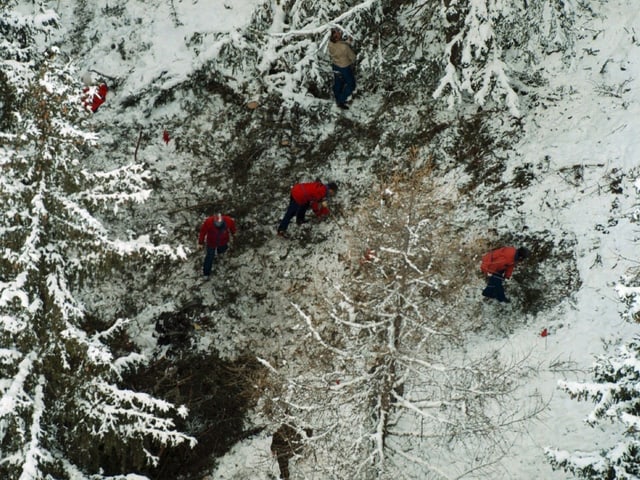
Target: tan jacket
341	53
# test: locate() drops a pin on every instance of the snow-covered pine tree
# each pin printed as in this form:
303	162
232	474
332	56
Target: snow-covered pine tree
492	48
616	394
628	288
483	51
473	54
62	405
283	51
387	394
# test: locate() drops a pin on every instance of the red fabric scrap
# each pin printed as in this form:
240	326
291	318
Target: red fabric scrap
94	97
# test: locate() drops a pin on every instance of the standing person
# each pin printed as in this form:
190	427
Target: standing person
343	65
302	196
498	265
215	231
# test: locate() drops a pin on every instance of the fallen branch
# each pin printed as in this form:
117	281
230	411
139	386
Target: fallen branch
114	80
188	207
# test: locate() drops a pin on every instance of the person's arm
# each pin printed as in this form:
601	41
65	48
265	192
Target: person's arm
321	209
510	261
203	233
509	270
351	54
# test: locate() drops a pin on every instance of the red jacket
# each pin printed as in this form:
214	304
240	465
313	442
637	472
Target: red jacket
304	193
98	98
499	261
216	237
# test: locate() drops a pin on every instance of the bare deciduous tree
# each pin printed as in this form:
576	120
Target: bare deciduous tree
390	392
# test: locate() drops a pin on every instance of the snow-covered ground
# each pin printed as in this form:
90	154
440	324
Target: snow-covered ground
581	140
589	131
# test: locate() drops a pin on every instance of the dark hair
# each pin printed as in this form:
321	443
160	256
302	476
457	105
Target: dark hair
333	186
522	253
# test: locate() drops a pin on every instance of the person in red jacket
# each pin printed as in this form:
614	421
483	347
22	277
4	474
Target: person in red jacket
305	195
215	231
498	265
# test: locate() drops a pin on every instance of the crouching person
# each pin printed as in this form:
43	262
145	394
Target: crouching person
498	265
304	196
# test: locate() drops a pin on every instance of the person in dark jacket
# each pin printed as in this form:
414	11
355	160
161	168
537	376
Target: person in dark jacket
215	233
304	195
498	265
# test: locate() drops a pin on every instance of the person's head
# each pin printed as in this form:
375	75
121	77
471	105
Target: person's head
336	35
332	188
522	253
217	220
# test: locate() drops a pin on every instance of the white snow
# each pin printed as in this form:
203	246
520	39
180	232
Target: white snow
588	122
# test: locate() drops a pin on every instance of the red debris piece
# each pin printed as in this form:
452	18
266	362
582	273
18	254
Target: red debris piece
165	137
544	333
94	97
368	256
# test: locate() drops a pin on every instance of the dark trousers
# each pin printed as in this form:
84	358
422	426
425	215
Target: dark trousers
293	210
209	257
344	83
495	288
283	463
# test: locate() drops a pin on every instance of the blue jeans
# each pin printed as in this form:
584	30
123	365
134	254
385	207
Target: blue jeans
293	210
208	259
495	289
344	83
